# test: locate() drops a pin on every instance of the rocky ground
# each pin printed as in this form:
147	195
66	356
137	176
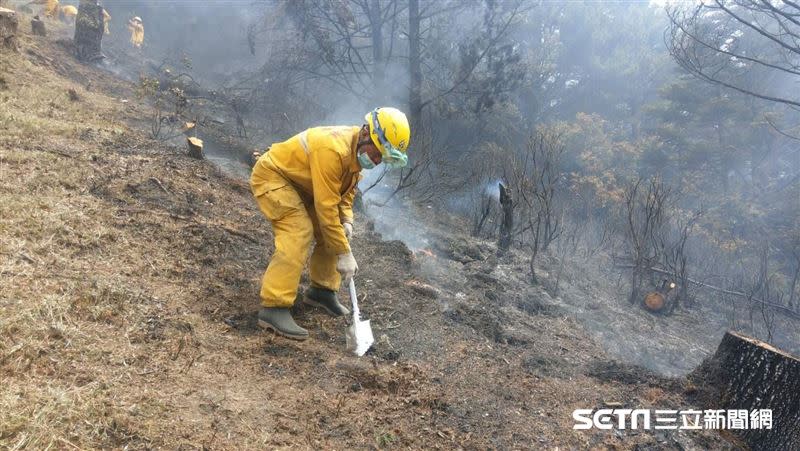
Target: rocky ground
130	283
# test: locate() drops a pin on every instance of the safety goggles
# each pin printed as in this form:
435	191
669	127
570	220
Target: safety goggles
391	156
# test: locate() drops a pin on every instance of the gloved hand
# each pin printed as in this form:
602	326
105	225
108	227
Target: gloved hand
347	266
348	229
254	157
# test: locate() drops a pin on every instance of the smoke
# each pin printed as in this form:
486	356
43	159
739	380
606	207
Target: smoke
492	189
209	36
395	218
472	196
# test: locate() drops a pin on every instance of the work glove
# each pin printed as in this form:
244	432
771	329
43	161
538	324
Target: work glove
347	266
348	230
254	157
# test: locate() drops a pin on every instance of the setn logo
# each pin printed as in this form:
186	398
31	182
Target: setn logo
610	418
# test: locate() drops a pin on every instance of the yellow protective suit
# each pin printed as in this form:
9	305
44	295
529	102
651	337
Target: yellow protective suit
305	186
137	33
51	8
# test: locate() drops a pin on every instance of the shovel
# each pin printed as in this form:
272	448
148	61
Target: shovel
358	334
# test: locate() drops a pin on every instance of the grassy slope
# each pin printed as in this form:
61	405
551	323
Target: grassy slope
129	281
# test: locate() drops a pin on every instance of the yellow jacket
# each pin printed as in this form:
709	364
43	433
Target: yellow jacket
137	33
51	8
320	163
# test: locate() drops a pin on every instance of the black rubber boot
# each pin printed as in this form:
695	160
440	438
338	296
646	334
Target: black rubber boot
326	299
280	320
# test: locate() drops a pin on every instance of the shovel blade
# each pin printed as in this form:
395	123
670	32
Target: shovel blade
359	337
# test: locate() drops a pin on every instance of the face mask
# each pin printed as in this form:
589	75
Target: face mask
392	156
364	161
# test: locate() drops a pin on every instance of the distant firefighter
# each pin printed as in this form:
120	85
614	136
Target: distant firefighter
69	13
137	31
51	8
106	21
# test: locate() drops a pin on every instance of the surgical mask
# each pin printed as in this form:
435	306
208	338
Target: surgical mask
391	156
364	161
395	159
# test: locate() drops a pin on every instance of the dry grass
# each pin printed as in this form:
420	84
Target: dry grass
35	102
68	315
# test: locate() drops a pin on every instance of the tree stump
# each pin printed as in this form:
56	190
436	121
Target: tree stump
748	374
37	27
195	147
8	29
89	31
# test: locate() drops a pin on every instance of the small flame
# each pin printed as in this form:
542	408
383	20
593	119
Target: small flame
426	252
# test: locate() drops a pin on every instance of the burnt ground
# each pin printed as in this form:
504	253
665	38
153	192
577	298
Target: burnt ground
130	284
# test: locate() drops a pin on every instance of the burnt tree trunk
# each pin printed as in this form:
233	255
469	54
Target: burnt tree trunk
8	29
37	26
89	31
507	226
749	374
378	72
414	66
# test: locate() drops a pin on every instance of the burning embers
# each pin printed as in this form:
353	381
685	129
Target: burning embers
426	252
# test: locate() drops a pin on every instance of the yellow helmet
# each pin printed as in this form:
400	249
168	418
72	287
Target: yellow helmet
389	130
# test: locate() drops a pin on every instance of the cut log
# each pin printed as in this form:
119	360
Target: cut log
195	147
654	301
89	31
748	374
8	29
424	289
37	27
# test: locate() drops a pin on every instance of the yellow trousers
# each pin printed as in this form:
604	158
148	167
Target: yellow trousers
294	224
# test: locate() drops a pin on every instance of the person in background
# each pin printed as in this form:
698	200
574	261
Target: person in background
106	21
137	31
51	8
68	13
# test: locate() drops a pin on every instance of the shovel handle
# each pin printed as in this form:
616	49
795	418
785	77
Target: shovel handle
354	301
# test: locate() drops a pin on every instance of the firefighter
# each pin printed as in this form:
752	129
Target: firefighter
305	186
68	13
107	20
137	31
51	8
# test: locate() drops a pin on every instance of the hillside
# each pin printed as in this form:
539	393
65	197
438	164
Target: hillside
130	285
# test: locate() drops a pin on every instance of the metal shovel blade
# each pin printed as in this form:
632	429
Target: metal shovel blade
359	337
359	334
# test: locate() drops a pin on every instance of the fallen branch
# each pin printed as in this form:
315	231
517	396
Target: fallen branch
789	312
239	234
158	182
